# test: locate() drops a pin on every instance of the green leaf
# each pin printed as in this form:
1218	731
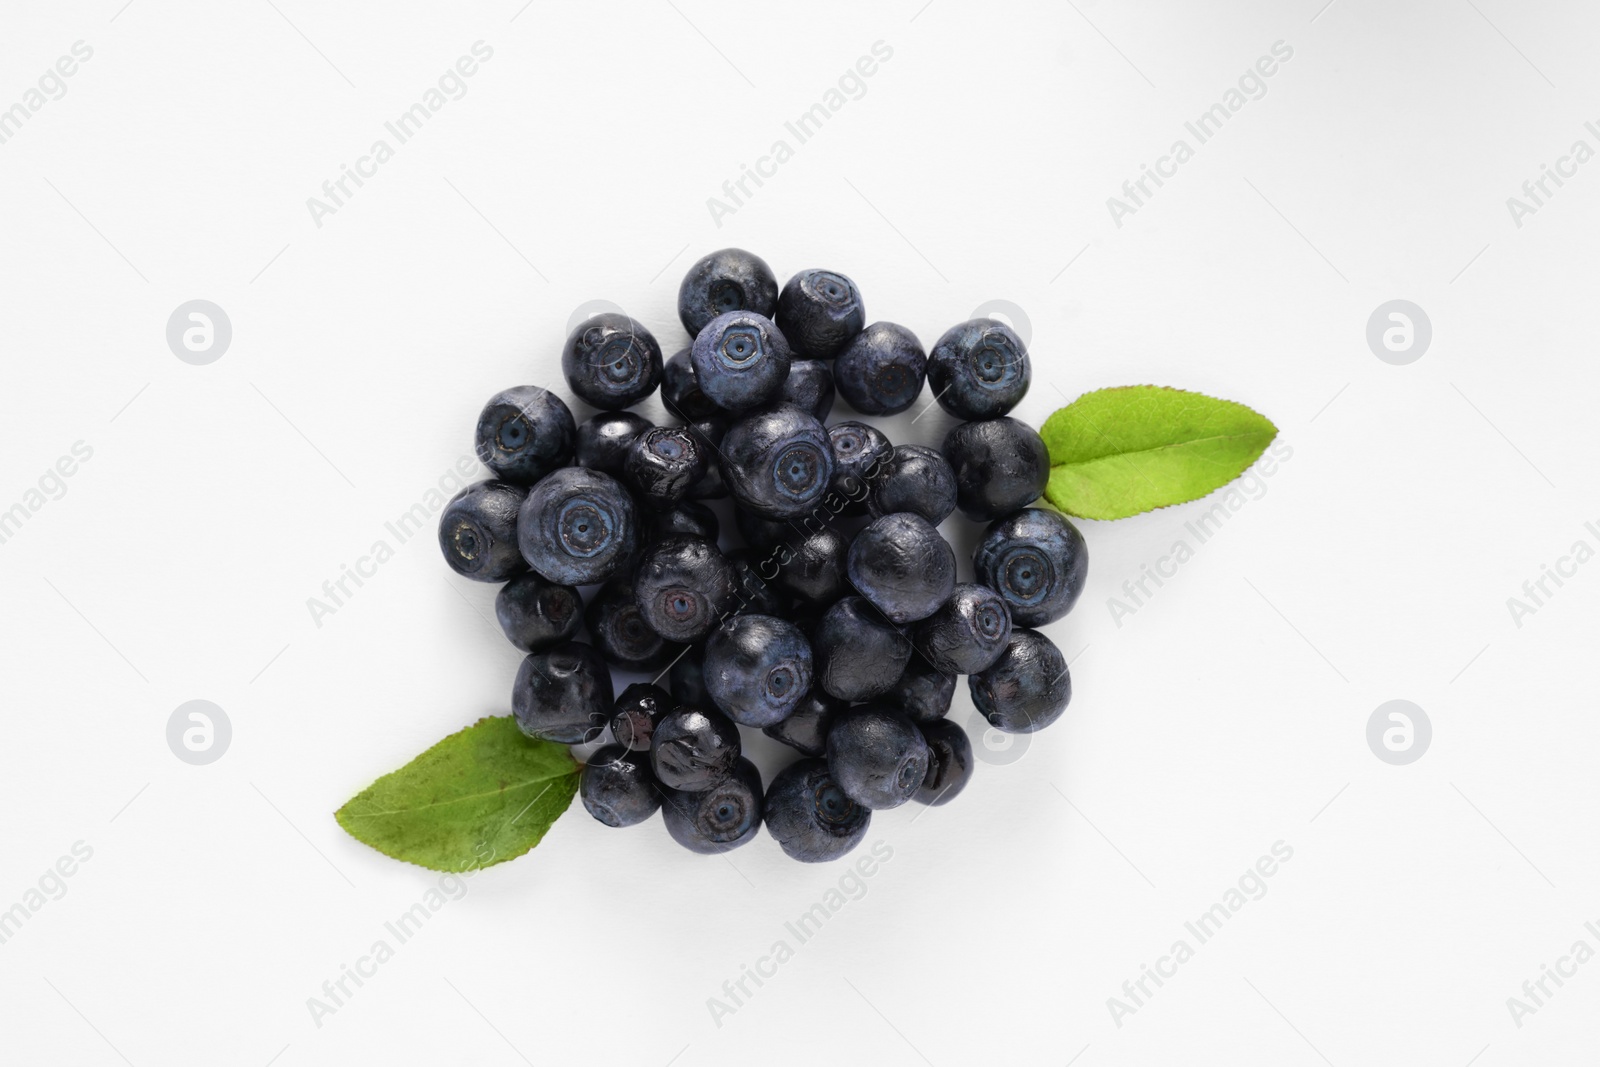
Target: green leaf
1119	452
481	796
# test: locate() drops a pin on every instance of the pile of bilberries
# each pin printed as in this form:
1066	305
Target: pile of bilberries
839	628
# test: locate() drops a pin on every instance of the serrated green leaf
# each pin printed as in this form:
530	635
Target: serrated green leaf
1119	452
481	796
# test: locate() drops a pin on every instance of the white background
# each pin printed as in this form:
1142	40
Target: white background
1228	713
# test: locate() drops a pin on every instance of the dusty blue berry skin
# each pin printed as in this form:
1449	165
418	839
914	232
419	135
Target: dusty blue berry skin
687	680
563	694
1037	561
923	692
916	479
730	279
757	668
525	433
1000	465
578	526
810	816
859	453
603	440
693	748
681	393
806	728
778	463
756	595
902	565
1027	688
617	788
812	569
688	518
620	633
635	714
478	531
882	370
720	818
809	387
740	361
856	652
949	762
968	632
611	361
536	614
820	311
684	587
711	485
877	756
979	369
663	463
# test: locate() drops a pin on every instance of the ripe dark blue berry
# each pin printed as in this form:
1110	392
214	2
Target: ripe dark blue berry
810	816
778	463
1027	688
809	387
916	479
578	526
684	586
812	569
719	818
711	485
620	632
635	714
687	679
478	531
693	748
681	393
688	518
949	762
859	453
603	440
611	361
1037	561
740	361
663	463
757	668
806	728
563	694
979	369
756	595
820	311
967	633
902	565
877	756
727	280
882	370
1000	465
536	613
923	692
617	788
525	433
857	653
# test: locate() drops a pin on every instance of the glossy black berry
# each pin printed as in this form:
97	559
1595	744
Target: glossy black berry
719	818
740	361
903	566
917	479
578	526
820	311
620	632
757	668
1037	561
882	370
755	594
563	694
635	714
877	756
663	463
687	679
603	440
730	279
478	531
859	453
967	633
693	748
1000	465
681	393
810	816
857	653
979	369
1027	688
684	586
923	692
611	361
812	568
778	463
525	433
809	387
686	517
806	728
711	485
949	762
617	788
536	614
